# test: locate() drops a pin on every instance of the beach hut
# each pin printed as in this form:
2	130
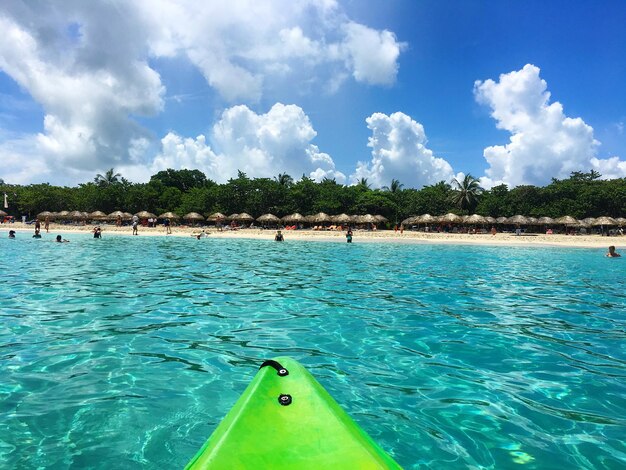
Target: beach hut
169	215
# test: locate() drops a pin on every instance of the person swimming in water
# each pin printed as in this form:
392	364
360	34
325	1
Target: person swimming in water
11	233
612	253
59	239
279	237
349	235
37	234
97	232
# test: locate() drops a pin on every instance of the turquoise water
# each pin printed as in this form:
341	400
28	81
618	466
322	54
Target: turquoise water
126	352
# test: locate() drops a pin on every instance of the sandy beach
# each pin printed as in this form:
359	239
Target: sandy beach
360	236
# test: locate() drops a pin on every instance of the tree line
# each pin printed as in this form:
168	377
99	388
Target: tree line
183	191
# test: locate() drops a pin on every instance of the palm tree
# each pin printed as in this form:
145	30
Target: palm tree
394	187
466	193
283	179
108	179
363	183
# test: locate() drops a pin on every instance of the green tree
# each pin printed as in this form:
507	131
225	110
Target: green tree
109	178
466	193
394	187
184	180
284	179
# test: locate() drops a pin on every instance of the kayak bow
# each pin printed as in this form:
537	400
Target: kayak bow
286	420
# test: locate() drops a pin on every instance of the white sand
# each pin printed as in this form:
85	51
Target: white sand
381	236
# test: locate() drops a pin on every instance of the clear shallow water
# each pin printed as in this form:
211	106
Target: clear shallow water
127	352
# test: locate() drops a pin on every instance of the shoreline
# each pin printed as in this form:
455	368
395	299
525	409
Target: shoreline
360	236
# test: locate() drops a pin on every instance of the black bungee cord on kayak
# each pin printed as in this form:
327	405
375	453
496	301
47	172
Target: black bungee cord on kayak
276	365
284	398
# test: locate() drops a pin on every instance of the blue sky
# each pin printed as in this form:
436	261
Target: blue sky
288	86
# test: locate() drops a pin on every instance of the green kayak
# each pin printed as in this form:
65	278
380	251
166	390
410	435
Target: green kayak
286	420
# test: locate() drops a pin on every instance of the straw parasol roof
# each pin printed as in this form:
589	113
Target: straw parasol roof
381	218
76	215
342	218
43	215
193	216
566	220
532	220
115	214
216	216
517	220
604	221
319	217
127	215
490	220
169	215
501	220
451	218
425	218
621	220
589	220
545	220
145	215
3	214
97	215
295	217
267	218
244	216
411	220
366	219
233	216
474	219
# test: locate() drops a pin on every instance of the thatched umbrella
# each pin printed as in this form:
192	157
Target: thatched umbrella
233	216
97	215
490	220
245	217
63	214
532	220
566	220
268	218
43	215
193	216
341	219
501	220
545	221
320	217
76	215
169	215
517	220
621	221
589	220
295	217
366	219
216	216
474	219
451	218
381	218
604	221
425	219
3	214
145	215
127	215
114	215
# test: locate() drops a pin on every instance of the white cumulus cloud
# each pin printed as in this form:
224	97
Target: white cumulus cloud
94	67
399	152
544	142
260	145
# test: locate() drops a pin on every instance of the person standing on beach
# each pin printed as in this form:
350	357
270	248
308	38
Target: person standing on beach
612	253
118	221
46	224
135	225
